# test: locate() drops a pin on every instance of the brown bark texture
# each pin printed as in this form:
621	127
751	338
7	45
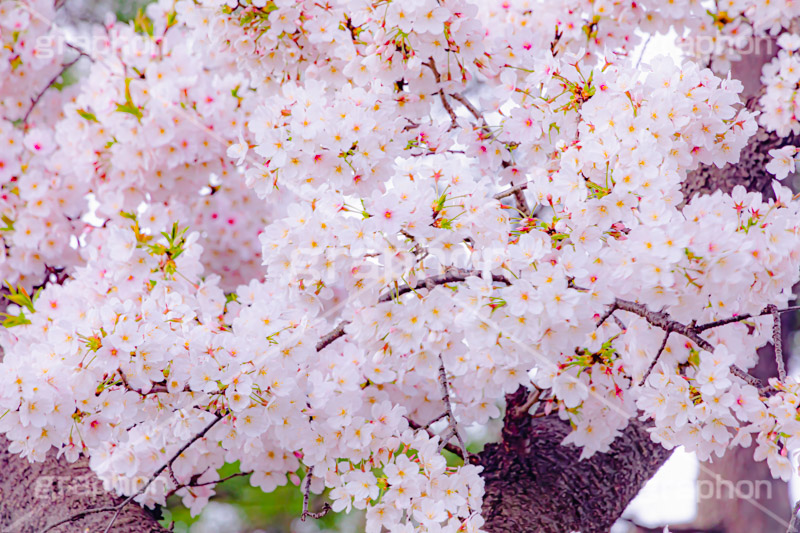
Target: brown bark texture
35	495
533	484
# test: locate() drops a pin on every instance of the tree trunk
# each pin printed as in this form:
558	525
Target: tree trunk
533	483
34	495
738	495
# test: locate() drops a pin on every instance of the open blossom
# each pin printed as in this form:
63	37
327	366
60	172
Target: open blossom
238	151
783	161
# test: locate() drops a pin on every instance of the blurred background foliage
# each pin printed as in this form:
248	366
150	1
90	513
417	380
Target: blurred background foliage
78	12
241	508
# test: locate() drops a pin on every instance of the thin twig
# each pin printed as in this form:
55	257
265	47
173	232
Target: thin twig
655	359
794	524
451	276
450	110
739	318
431	64
471	108
445	102
306	489
64	67
221	480
644	47
452	425
607	314
432	422
455	450
777	341
118	508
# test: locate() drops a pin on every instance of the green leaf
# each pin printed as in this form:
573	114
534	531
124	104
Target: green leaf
88	116
20	297
129	106
131	109
9	223
142	23
18	320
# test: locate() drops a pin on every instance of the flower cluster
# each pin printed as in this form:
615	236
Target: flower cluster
40	199
147	368
780	77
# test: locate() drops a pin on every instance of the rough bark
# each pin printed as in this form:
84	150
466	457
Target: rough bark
535	484
34	495
720	509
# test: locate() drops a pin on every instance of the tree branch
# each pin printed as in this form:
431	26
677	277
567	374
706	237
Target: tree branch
794	524
64	67
534	483
452	426
717	323
509	192
454	275
664	321
449	447
326	508
655	359
777	341
451	276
